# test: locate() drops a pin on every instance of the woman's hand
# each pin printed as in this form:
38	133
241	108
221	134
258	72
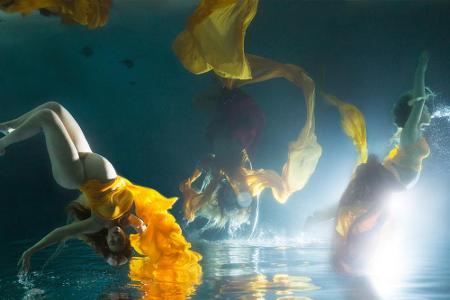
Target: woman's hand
24	261
423	61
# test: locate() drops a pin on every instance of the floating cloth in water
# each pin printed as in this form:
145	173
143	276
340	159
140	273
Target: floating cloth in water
214	38
162	241
90	13
304	152
353	124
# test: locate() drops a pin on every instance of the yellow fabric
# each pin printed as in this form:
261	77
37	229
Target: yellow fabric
304	152
90	13
353	124
162	241
409	157
346	216
110	200
214	38
166	282
194	200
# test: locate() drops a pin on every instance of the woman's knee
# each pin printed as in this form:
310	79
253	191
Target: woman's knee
47	116
54	106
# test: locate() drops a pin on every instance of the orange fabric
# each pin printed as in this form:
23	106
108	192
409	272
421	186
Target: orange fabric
109	200
162	241
90	13
346	216
164	282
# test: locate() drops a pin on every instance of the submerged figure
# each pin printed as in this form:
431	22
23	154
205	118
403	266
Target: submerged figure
362	213
90	13
108	202
411	115
231	185
214	40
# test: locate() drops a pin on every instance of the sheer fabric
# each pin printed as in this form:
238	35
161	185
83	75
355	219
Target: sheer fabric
214	38
353	124
90	13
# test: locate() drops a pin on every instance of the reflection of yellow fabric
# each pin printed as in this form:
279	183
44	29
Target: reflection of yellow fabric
91	13
214	38
353	124
258	286
167	282
162	241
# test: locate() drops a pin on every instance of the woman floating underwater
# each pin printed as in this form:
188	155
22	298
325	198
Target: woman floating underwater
362	213
108	202
214	40
90	13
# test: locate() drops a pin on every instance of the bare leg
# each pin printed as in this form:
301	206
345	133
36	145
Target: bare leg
68	169
72	127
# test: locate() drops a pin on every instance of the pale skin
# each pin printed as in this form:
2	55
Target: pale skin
73	163
410	134
419	116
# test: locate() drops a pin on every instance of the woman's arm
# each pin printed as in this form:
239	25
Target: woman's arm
411	131
136	223
59	234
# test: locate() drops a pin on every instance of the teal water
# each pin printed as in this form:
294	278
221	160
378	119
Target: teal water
143	120
238	269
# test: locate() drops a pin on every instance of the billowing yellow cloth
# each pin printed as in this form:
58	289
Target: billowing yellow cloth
90	13
162	241
353	124
214	38
110	200
304	152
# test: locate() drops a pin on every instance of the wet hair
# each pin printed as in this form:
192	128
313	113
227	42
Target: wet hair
371	182
97	240
402	110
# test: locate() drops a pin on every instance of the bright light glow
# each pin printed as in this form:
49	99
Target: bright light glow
389	263
388	267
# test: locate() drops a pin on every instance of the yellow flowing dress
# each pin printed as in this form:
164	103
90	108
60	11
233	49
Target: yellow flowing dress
90	13
167	256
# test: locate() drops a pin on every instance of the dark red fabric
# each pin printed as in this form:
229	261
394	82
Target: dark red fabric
238	117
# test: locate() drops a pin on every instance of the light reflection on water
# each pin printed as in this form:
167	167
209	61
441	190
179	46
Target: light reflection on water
231	270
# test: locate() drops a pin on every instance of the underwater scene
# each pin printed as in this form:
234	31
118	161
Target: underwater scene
225	149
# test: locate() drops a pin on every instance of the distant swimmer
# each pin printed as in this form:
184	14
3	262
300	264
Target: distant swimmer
108	203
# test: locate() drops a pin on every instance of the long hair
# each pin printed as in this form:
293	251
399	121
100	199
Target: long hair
97	240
